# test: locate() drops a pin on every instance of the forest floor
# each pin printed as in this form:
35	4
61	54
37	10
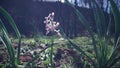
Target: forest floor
64	55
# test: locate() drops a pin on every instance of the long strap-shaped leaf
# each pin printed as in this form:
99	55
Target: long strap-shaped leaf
10	20
116	15
99	19
1	23
12	23
6	41
87	26
80	50
101	26
113	57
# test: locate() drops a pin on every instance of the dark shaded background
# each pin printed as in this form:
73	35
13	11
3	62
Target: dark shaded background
29	17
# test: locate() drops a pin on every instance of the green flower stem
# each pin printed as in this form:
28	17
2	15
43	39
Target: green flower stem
51	53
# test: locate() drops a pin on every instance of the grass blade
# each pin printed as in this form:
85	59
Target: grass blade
12	23
116	15
99	19
80	50
6	41
101	32
87	26
1	23
10	20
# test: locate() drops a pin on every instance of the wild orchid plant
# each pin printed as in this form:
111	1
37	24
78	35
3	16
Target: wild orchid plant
51	25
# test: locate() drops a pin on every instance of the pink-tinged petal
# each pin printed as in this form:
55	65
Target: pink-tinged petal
46	17
53	13
49	15
45	22
57	23
51	26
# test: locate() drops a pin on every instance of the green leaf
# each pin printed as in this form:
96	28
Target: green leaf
10	20
102	28
2	26
12	23
116	15
6	41
80	50
83	20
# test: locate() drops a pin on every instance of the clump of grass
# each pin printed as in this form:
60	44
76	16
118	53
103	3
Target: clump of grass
4	37
106	56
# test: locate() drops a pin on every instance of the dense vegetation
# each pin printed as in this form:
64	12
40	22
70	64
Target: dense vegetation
56	49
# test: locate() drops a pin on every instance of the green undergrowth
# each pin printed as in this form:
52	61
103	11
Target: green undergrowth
63	53
32	46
